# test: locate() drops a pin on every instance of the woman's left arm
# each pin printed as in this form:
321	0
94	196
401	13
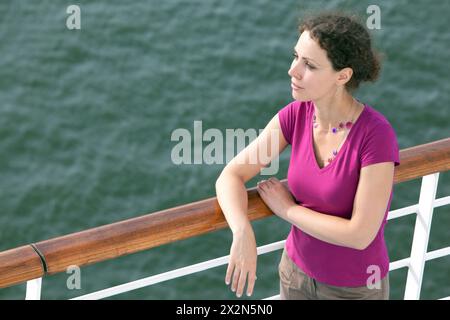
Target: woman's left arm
371	200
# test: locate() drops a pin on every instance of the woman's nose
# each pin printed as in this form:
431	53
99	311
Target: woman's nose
295	70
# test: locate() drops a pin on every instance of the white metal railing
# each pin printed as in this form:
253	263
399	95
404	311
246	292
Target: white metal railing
415	263
34	289
421	236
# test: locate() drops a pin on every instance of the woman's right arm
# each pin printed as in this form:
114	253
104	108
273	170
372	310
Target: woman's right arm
232	197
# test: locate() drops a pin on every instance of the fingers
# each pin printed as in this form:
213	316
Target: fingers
242	278
229	273
239	279
251	283
228	279
266	184
270	181
237	273
262	184
273	181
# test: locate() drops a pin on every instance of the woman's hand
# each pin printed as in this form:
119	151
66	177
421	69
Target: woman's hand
276	196
243	262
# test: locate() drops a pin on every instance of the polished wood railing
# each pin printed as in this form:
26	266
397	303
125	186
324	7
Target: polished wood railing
133	235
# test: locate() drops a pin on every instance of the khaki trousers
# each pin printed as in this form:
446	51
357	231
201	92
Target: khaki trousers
296	285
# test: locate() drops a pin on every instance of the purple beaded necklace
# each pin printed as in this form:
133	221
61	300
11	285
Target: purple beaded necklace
348	125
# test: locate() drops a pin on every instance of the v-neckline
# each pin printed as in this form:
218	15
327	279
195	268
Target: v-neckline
344	144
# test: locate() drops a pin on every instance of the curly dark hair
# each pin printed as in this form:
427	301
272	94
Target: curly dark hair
347	43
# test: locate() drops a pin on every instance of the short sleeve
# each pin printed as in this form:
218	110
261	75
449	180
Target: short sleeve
287	116
380	145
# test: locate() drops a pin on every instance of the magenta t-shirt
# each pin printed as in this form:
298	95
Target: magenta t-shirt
331	190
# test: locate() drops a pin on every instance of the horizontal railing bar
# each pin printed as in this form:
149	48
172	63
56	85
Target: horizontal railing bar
419	161
394	214
17	265
441	201
399	264
129	286
405	211
275	297
175	224
437	254
429	256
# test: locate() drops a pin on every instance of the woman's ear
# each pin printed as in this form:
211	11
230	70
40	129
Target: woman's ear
344	76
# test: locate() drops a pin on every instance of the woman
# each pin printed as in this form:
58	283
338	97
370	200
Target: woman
340	174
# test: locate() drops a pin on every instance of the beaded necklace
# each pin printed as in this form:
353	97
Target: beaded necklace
348	125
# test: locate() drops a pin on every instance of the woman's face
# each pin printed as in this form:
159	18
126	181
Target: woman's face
311	71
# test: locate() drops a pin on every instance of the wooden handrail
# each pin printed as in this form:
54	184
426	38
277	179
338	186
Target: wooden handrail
19	265
178	223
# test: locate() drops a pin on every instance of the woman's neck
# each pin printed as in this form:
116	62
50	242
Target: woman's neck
330	111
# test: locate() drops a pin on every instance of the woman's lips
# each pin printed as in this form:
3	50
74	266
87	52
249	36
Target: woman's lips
293	86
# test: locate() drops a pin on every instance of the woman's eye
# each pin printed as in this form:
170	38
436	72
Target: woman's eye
306	63
309	65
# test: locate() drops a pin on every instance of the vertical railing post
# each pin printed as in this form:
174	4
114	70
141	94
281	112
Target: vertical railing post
421	235
34	289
